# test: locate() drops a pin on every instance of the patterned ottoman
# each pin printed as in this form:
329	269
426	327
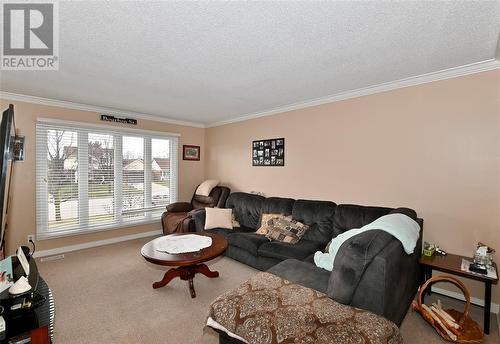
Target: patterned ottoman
268	309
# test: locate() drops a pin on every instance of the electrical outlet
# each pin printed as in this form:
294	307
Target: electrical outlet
31	237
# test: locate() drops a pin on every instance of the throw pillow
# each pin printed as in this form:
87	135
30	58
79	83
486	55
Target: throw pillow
218	218
287	230
234	221
206	187
267	222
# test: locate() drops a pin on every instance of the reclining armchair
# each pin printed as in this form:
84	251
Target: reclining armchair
178	217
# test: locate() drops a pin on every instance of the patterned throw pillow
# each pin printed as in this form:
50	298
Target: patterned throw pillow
267	222
287	230
234	221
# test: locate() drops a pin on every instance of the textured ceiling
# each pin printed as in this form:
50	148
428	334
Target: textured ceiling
213	61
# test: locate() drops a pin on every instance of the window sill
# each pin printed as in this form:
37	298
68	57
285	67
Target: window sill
91	230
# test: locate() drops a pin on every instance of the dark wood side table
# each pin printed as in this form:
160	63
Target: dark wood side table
451	264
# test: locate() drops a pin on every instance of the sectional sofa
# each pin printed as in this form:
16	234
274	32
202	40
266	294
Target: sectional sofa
371	272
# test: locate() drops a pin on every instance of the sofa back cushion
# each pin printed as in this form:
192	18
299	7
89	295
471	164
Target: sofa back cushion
350	216
318	215
247	208
278	205
412	214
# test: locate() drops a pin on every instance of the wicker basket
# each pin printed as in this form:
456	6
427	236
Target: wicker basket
469	331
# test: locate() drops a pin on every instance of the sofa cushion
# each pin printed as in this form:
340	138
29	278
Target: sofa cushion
247	208
222	231
306	274
244	256
281	250
227	232
247	241
310	259
349	216
318	215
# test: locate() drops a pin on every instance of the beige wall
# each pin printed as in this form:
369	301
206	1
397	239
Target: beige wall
433	147
22	207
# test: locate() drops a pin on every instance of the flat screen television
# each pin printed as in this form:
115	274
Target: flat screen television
7	137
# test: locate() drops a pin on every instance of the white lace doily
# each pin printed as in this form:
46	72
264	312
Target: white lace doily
175	244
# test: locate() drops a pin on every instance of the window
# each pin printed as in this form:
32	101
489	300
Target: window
92	178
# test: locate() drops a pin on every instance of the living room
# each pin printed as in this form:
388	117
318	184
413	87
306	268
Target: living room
388	105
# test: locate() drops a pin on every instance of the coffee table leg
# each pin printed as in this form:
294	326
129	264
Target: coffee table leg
191	288
187	274
169	275
487	307
204	270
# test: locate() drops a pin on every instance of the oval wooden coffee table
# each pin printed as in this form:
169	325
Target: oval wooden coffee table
188	264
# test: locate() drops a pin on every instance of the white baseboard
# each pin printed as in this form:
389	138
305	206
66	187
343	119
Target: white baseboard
495	308
70	248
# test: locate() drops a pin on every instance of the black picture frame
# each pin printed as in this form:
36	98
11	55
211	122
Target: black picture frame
268	152
18	153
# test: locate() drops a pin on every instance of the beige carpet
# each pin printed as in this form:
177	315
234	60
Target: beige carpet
104	295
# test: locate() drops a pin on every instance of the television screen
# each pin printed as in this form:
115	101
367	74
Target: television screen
7	136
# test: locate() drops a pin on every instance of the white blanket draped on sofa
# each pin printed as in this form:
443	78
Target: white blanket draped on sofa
400	226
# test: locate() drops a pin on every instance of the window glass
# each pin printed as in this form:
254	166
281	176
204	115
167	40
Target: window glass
62	178
133	176
101	178
96	179
160	168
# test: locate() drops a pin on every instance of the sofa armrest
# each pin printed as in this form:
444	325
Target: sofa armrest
179	207
390	282
353	258
194	211
199	217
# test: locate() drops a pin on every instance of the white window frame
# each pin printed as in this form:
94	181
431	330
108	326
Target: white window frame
43	232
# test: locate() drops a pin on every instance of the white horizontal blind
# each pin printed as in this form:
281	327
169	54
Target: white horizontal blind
91	179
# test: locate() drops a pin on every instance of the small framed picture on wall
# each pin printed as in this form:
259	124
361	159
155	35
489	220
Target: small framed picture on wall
191	153
19	148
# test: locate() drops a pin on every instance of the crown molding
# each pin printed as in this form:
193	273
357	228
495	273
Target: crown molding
91	108
449	73
444	74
